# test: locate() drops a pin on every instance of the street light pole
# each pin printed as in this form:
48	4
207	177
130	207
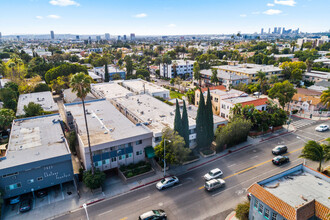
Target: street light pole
85	207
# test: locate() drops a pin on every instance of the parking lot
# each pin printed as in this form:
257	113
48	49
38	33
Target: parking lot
55	194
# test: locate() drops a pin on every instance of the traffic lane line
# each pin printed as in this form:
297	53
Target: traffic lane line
104	213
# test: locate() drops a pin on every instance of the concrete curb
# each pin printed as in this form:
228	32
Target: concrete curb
310	118
93	202
275	136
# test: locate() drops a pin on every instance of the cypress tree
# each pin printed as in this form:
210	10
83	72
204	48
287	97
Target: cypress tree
177	119
209	118
106	73
200	122
185	125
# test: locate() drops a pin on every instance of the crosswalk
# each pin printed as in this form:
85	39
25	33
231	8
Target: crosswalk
302	123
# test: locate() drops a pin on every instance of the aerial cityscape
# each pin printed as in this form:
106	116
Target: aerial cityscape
154	110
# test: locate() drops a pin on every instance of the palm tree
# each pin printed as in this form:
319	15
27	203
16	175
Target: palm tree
80	83
309	64
293	45
262	81
316	152
325	97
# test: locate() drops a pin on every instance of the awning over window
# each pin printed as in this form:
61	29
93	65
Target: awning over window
149	151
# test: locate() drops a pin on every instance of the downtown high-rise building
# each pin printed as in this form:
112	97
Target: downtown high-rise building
279	30
107	36
124	37
119	37
52	35
0	36
132	36
268	30
275	30
98	38
262	31
77	37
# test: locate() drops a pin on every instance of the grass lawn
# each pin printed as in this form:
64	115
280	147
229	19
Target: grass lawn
176	95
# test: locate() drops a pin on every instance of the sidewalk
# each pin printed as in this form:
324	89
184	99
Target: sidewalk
114	186
314	118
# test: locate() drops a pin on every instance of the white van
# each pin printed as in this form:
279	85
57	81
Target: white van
214	184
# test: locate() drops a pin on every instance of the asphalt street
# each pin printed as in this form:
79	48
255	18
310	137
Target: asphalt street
189	200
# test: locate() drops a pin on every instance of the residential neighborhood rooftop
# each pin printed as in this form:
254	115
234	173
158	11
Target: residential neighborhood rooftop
35	139
141	86
249	68
224	75
105	122
109	90
45	99
236	100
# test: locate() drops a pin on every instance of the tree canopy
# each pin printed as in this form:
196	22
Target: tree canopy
283	91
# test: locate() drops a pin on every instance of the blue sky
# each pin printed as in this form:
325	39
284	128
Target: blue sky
161	17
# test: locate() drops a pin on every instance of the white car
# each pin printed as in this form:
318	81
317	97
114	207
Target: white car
167	182
215	173
322	127
214	184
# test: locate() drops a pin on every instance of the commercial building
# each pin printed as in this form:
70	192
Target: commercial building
109	90
37	156
132	36
45	99
52	35
229	103
177	67
251	70
107	36
227	79
156	115
299	193
112	70
114	139
140	86
218	93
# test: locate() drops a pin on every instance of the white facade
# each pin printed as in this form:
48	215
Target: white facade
181	67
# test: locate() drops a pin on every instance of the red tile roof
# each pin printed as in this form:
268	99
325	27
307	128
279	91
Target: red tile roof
257	102
273	202
221	87
321	211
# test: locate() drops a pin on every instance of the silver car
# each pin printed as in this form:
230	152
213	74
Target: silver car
215	173
214	184
167	182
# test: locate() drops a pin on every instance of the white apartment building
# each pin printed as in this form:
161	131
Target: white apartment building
181	67
140	86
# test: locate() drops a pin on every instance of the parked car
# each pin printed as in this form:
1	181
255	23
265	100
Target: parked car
153	215
280	149
42	193
167	182
215	173
14	200
280	160
25	205
214	184
322	127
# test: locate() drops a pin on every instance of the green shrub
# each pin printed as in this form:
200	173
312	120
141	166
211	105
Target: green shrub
294	111
207	151
94	181
242	211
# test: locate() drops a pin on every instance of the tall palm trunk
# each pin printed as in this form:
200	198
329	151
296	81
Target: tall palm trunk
320	166
89	143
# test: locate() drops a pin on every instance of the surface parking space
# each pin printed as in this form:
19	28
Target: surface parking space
55	194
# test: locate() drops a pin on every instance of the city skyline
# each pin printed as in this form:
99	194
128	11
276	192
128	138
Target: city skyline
81	17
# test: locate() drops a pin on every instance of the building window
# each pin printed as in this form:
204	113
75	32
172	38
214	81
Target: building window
113	159
10	174
40	178
274	216
13	186
106	161
261	208
98	163
138	142
30	181
266	213
256	203
139	152
121	157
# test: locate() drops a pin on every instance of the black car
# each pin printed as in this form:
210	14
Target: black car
154	215
280	149
42	193
280	160
25	205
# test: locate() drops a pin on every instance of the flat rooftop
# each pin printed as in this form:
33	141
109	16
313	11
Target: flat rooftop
183	62
301	186
139	86
236	100
35	139
154	113
229	93
109	90
45	99
224	75
192	112
105	122
249	68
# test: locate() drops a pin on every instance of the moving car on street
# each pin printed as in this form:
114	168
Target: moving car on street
167	182
279	160
153	215
280	149
215	173
322	127
214	184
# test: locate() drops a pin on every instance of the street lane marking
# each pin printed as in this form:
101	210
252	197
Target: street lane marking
124	218
254	157
216	194
105	213
232	165
143	198
202	187
177	186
